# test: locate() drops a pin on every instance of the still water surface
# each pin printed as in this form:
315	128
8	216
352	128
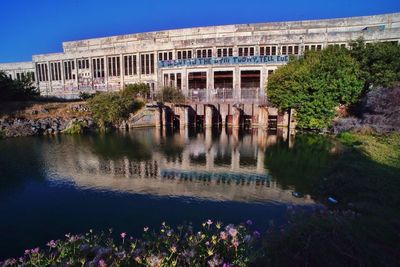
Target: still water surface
50	186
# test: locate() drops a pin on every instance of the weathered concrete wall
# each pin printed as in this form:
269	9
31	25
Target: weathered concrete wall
300	33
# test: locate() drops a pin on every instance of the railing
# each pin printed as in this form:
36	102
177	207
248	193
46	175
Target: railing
254	95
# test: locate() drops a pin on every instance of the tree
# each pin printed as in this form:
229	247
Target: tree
17	90
379	63
315	84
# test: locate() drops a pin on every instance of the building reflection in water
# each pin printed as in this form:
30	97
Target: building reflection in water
213	164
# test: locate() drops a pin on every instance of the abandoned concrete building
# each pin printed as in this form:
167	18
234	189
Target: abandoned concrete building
219	64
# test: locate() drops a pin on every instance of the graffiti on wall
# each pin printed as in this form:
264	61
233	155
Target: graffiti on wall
223	61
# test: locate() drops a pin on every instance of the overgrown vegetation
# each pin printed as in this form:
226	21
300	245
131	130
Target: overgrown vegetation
321	81
17	90
362	228
379	63
110	108
170	94
213	245
315	84
76	127
137	90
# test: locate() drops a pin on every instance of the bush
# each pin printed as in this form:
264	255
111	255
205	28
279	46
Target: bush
315	84
137	89
212	246
110	108
85	96
170	94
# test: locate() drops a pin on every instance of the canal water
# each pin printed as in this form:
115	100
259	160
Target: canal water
50	186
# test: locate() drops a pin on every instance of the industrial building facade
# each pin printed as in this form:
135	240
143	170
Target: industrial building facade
230	62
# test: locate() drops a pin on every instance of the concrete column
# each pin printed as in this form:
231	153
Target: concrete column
105	72
262	117
76	80
208	118
209	149
122	68
260	160
166	117
158	117
237	117
235	159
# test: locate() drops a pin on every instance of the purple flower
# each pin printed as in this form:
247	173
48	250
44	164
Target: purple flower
209	222
102	263
232	231
145	229
226	265
35	251
51	244
223	235
169	232
256	234
27	251
123	235
249	222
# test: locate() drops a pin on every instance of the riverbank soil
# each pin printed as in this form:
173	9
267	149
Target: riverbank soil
32	110
363	227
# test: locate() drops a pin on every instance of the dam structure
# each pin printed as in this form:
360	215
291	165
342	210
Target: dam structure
221	70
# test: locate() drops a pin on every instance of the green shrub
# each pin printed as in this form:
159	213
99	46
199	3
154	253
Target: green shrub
110	108
76	127
137	89
85	96
170	94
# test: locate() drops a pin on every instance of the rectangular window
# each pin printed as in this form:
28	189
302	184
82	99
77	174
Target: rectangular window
319	47
290	50
179	81
251	52
179	55
240	52
284	50
142	65
296	49
146	63
273	50
262	51
98	67
152	63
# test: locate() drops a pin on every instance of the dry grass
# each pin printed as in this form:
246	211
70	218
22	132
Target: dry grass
38	110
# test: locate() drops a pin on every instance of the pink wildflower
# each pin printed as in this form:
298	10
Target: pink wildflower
102	263
123	235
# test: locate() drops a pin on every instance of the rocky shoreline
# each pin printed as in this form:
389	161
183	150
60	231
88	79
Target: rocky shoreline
14	127
46	119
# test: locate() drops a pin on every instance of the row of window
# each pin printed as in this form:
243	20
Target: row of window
244	51
21	75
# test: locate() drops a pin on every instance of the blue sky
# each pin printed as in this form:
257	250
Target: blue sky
40	26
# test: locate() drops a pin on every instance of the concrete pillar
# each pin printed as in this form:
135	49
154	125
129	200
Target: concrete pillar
260	160
158	117
262	117
166	117
209	114
237	117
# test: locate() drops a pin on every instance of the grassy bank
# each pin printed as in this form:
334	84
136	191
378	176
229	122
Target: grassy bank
362	229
